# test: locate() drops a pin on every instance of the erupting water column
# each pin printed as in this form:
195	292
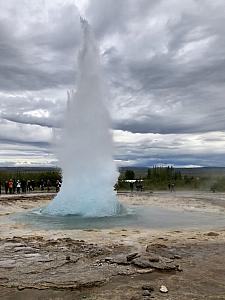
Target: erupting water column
86	151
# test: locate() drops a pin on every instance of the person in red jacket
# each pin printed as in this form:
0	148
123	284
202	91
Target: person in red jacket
10	185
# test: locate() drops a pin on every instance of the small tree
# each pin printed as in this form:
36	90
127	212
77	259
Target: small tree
149	175
129	174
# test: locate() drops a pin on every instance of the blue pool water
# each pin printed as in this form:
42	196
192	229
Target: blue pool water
134	217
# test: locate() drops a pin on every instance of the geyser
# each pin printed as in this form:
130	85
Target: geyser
86	148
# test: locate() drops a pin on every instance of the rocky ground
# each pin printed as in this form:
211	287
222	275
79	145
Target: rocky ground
120	263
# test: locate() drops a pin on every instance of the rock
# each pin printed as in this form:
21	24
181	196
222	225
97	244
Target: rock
108	259
126	273
68	258
141	262
163	266
145	271
32	255
23	248
177	256
154	258
146	293
131	256
156	246
148	287
211	233
120	260
179	268
159	263
163	289
7	263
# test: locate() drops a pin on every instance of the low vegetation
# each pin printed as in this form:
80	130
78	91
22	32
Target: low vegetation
161	178
156	178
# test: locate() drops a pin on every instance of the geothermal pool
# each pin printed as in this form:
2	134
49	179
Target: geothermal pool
135	217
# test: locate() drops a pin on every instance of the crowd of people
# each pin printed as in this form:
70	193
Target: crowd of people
138	185
171	187
17	186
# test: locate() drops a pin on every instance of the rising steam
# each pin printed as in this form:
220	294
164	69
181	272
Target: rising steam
86	149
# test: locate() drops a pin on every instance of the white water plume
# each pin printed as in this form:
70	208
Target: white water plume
86	147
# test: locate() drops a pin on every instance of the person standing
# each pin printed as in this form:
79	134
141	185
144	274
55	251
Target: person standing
173	187
14	186
6	186
48	185
42	184
57	186
23	186
29	188
18	186
32	183
10	185
131	186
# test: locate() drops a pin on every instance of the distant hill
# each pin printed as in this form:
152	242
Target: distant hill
203	171
28	169
139	171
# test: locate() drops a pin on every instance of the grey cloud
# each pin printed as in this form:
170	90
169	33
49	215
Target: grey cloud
17	141
41	57
170	123
187	80
164	65
46	122
196	149
110	17
22	109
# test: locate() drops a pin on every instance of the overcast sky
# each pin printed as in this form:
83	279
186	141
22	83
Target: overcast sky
163	62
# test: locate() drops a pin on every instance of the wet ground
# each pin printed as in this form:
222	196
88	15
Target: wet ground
115	262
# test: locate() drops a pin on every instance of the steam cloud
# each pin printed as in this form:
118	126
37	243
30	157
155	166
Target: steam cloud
86	149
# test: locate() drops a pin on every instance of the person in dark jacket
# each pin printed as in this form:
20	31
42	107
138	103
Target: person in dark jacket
6	186
23	186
